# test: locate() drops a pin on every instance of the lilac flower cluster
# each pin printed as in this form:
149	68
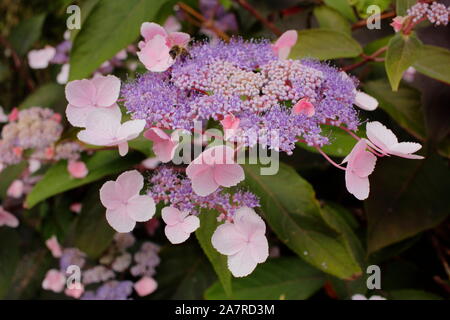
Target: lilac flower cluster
246	79
115	263
436	13
168	187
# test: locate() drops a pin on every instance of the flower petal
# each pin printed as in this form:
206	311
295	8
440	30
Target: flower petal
108	195
141	208
356	185
129	184
242	263
119	220
259	248
151	29
365	102
227	239
228	175
179	39
381	136
176	234
171	216
203	183
130	129
190	224
108	90
81	93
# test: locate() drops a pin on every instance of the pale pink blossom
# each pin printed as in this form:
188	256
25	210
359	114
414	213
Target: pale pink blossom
243	241
155	49
164	146
230	124
179	225
76	292
8	219
76	207
106	129
397	23
303	106
365	102
282	47
145	286
360	164
386	141
16	189
54	281
63	75
213	168
86	96
39	59
54	247
124	205
77	169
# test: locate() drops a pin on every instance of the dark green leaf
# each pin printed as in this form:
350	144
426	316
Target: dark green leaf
26	33
50	95
9	257
403	106
407	197
92	232
325	44
184	273
209	224
329	18
114	25
363	5
402	52
277	279
142	145
290	208
57	178
434	62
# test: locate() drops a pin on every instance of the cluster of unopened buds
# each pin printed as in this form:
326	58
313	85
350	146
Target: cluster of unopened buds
80	278
436	13
256	95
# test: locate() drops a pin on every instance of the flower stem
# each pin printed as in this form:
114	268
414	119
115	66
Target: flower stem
329	159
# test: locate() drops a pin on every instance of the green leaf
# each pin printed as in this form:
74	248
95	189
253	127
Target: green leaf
341	142
325	44
86	9
434	62
26	33
289	206
402	52
9	257
8	175
92	232
336	217
29	273
209	224
57	178
276	279
114	25
329	18
343	6
50	95
412	294
402	5
407	197
184	273
404	106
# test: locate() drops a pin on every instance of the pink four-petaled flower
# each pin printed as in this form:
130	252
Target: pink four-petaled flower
164	146
282	47
213	168
243	241
179	225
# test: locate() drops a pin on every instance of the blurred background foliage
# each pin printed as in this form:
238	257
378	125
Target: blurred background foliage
403	227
